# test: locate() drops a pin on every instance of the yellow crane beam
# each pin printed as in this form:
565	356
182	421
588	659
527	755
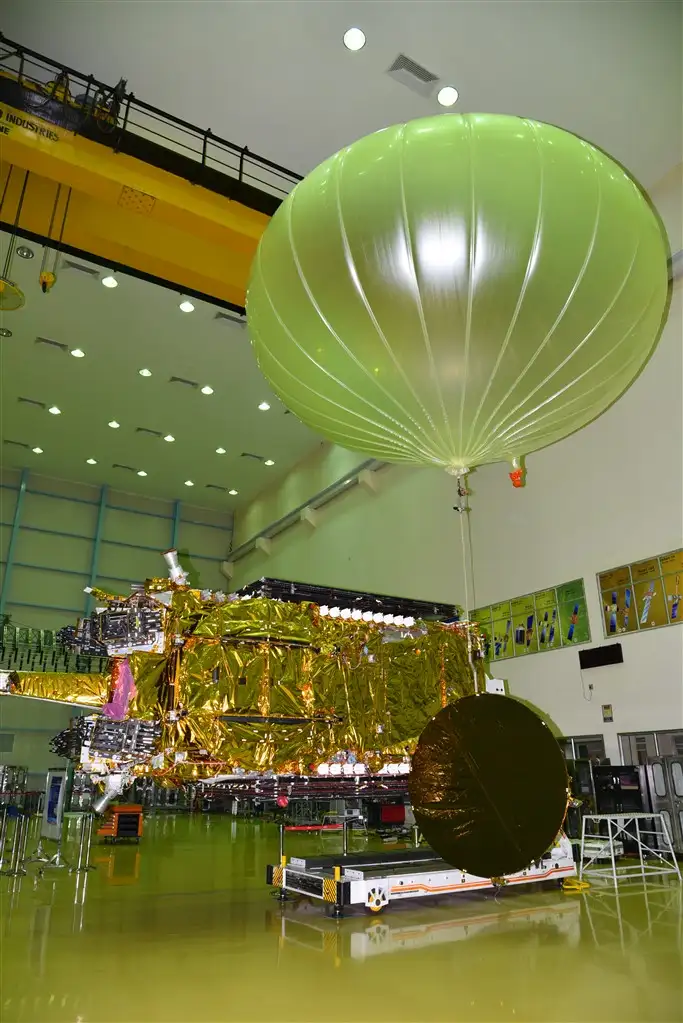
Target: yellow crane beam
125	211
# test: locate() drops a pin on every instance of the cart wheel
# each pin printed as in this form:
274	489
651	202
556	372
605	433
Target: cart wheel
376	900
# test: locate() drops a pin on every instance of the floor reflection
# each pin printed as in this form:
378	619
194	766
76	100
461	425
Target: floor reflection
183	928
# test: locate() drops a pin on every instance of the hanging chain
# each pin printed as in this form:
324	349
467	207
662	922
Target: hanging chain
49	230
10	247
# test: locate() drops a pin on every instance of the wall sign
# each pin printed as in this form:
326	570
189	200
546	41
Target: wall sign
546	620
644	595
14	118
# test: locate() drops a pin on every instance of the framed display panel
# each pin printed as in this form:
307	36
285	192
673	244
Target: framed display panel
643	595
53	807
545	620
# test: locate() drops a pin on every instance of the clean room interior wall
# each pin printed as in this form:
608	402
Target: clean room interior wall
611	494
55	545
29	725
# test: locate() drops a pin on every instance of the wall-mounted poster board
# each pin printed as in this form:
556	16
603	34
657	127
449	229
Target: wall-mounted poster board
546	620
644	595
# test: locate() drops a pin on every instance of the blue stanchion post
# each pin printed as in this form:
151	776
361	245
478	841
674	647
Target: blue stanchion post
13	538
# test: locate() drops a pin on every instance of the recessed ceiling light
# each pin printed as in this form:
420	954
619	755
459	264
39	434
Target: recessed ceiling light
207	390
25	252
269	461
91	461
233	493
447	96
354	39
54	411
114	425
37	451
110	282
189	483
186	306
220	451
5	332
169	437
145	372
264	406
77	353
141	472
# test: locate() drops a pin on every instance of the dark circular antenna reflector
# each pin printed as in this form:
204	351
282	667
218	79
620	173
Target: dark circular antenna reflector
488	785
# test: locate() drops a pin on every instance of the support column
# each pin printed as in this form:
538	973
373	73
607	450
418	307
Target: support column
13	538
175	529
96	544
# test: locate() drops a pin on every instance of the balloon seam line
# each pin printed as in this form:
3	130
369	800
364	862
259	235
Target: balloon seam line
565	307
533	253
581	343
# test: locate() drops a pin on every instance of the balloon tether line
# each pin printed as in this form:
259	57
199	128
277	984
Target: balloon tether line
462	507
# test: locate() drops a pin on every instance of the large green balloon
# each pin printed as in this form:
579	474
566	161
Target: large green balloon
458	290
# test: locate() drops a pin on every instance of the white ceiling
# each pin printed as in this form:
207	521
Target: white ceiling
122	330
274	75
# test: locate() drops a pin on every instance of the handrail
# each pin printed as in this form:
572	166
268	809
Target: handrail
270	531
129	102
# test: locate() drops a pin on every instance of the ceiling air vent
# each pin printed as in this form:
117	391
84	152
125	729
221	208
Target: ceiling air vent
232	318
16	443
53	344
128	468
214	486
411	74
91	271
32	401
149	433
255	458
182	380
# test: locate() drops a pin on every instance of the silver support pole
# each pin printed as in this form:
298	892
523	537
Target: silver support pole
281	849
611	849
345	837
3	836
18	853
84	843
640	849
416	836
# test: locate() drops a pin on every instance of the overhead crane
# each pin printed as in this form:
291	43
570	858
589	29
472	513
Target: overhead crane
101	174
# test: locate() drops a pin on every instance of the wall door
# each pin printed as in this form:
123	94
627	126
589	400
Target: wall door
665	785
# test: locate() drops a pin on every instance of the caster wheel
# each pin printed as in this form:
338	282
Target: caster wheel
377	899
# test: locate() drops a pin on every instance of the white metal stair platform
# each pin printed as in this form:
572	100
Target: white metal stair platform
656	858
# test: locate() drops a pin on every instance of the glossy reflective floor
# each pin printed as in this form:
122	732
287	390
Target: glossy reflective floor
183	928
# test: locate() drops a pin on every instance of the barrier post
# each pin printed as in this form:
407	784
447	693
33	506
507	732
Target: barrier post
84	844
18	853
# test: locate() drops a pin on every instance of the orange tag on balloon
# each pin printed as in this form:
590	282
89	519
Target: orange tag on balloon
517	477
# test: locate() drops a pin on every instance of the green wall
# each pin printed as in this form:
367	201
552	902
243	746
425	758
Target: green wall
33	723
57	545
